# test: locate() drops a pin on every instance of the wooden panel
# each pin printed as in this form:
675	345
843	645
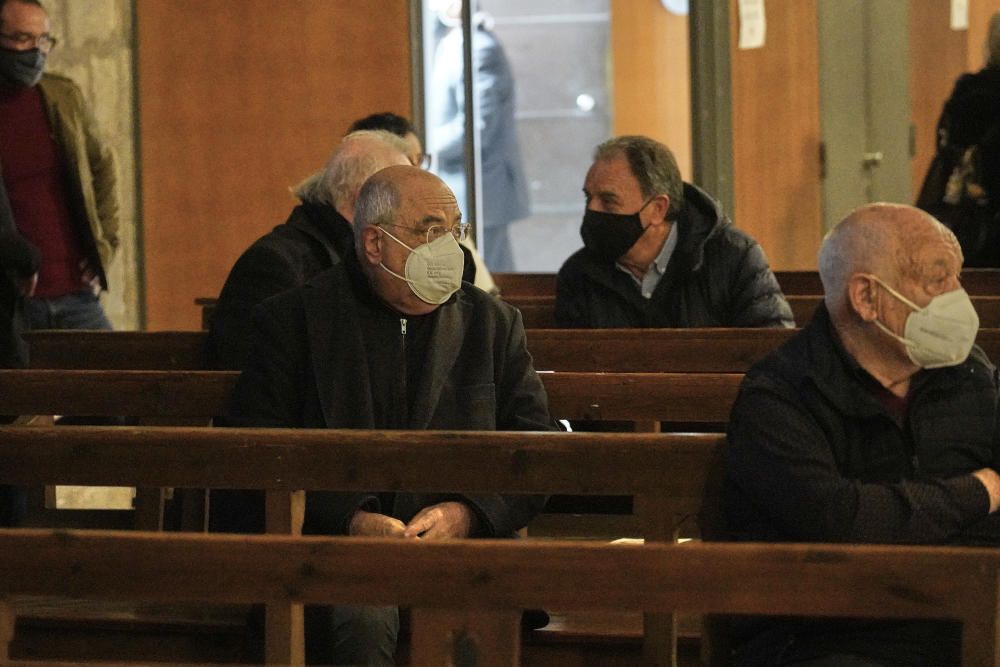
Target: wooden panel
357	460
775	95
237	102
652	75
827	580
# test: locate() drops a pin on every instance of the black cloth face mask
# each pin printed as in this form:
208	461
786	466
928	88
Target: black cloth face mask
21	68
610	235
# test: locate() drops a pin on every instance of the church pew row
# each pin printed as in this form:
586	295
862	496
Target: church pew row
977	282
638	397
667	474
473	609
580	350
538	312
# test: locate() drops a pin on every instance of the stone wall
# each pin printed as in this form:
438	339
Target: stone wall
95	49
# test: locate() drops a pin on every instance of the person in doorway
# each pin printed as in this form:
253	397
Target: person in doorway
504	188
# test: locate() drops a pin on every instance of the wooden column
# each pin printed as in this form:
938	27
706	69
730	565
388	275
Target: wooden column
284	622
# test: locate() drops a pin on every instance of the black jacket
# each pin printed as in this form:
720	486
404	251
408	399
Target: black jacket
814	456
331	355
309	242
18	261
717	277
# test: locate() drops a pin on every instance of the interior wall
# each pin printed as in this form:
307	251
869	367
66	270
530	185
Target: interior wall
651	68
238	102
776	134
938	56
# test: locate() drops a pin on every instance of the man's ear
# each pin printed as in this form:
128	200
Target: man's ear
660	208
371	245
862	293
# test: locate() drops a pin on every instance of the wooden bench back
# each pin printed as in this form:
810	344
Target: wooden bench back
977	282
679	397
667	474
489	580
582	350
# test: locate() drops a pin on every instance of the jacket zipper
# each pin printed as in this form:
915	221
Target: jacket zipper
402	364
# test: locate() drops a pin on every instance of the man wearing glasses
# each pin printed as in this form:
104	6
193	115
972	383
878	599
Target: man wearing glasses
395	340
59	176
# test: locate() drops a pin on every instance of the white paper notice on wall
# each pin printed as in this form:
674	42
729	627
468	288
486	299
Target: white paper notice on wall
753	24
959	14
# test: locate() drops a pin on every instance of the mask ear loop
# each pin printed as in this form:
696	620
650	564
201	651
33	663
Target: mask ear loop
386	268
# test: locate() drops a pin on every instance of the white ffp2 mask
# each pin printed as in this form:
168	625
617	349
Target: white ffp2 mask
941	333
433	270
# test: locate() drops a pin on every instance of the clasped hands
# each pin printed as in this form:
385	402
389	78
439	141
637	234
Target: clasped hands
436	522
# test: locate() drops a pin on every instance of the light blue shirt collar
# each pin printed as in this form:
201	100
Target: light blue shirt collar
647	285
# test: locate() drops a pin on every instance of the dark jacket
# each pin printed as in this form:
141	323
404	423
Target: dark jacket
331	355
717	277
814	456
312	240
309	242
18	261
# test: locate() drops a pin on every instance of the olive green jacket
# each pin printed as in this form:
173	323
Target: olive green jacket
91	169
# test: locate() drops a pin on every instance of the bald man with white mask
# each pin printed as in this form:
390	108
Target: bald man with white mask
393	339
875	424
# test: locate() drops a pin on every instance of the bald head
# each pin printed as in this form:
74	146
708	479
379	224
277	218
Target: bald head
359	155
882	239
384	195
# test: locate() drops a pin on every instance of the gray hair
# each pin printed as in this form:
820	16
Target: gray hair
347	169
378	203
993	41
652	164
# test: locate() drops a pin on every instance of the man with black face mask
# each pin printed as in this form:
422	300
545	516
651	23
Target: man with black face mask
59	176
659	252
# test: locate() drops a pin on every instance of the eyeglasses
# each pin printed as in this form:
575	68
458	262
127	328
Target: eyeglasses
25	41
434	232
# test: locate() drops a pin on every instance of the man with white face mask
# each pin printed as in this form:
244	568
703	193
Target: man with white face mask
390	338
875	424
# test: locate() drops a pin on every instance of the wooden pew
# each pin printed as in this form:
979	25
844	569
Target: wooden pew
488	581
539	312
582	350
977	282
681	397
666	473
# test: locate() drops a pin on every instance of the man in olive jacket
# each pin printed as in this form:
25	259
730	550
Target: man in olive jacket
59	174
391	338
659	252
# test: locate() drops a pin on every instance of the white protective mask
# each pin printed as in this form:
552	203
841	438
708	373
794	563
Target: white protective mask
433	270
941	333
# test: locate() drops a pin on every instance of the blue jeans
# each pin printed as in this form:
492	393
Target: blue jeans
79	310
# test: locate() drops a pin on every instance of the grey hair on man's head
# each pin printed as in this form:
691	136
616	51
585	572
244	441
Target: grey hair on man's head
993	41
378	203
348	168
652	164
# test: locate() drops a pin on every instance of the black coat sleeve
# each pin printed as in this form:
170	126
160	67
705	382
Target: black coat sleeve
780	462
